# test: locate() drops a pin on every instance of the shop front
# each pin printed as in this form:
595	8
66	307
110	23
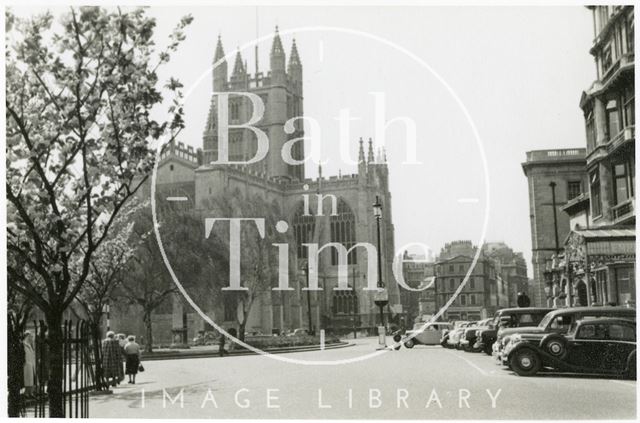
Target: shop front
597	268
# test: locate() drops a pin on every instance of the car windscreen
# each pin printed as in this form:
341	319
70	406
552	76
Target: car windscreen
545	321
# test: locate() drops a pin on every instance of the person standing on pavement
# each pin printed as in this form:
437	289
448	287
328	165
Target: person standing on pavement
111	359
122	340
132	353
29	365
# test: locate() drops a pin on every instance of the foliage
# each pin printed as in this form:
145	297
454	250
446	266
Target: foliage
79	100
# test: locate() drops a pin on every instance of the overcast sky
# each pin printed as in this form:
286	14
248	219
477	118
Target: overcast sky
519	71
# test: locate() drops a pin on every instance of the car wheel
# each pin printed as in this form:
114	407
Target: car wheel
555	345
488	349
525	362
409	343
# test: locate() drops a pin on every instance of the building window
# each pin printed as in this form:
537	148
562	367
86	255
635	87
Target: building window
590	128
574	189
472	299
343	231
629	106
461	268
472	283
452	284
451	268
303	229
594	186
463	299
235	111
620	183
613	122
607	58
625	282
345	302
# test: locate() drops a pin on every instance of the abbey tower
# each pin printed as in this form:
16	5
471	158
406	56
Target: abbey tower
194	174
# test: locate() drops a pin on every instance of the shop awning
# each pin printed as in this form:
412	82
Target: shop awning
601	245
607	233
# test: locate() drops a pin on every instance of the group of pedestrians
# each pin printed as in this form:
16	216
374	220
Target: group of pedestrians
120	356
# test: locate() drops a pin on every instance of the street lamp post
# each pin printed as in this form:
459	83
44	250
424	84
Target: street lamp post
381	297
555	216
305	271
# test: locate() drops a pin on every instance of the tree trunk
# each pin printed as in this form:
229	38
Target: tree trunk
149	332
15	366
56	366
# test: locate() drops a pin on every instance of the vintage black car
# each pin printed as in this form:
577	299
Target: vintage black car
600	346
559	321
468	338
507	318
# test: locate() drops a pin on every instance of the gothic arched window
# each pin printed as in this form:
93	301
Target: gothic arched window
345	302
343	231
303	230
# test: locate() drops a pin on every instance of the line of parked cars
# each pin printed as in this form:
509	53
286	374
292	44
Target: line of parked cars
598	340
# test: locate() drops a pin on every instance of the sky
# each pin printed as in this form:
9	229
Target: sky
516	72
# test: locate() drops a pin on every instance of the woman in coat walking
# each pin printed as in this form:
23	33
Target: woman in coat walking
122	340
112	359
29	365
132	354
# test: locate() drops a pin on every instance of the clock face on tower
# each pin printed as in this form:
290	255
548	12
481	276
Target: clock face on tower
320	167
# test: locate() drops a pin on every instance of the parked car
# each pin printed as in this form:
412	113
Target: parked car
447	333
468	338
507	318
602	345
430	335
456	334
559	321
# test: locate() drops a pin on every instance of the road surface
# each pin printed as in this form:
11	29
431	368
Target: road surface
426	382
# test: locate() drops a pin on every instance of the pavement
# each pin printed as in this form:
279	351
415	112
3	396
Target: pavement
426	382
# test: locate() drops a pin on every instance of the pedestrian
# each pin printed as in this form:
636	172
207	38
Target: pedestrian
132	354
29	365
111	359
122	340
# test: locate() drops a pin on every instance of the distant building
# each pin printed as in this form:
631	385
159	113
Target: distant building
566	169
511	267
418	272
484	293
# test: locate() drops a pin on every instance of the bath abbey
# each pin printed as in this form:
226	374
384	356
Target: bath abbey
193	174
